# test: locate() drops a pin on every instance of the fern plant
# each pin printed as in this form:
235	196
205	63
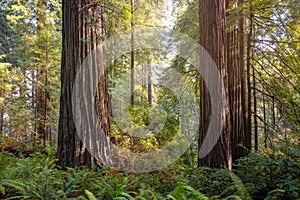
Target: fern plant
90	195
20	188
183	191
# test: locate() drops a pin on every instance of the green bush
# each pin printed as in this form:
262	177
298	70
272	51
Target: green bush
254	177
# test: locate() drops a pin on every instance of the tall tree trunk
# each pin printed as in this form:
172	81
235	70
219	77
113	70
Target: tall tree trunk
265	123
45	123
1	114
273	134
132	53
245	138
1	119
34	105
36	88
83	23
213	39
249	89
9	120
103	103
67	138
149	83
255	110
41	96
241	135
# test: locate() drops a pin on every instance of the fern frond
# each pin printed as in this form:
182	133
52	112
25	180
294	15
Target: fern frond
240	187
2	190
180	192
18	197
127	195
275	194
90	195
18	185
169	196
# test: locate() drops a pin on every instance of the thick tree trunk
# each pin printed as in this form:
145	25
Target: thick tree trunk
83	23
213	39
103	103
241	135
67	138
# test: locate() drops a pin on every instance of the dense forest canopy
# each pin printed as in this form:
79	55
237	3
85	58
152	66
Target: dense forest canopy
157	99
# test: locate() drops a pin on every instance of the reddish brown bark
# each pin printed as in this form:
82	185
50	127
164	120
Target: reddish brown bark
79	40
213	39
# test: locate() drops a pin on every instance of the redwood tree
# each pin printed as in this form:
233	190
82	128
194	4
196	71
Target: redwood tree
237	90
213	39
83	25
42	95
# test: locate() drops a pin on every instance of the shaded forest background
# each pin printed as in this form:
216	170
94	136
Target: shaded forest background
256	46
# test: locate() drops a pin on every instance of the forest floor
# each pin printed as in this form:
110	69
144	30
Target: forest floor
258	176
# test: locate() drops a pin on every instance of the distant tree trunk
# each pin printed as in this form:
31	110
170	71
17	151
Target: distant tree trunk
1	120
9	120
132	53
213	39
144	81
249	89
255	110
273	135
46	107
34	105
265	123
149	83
41	83
1	114
83	23
50	136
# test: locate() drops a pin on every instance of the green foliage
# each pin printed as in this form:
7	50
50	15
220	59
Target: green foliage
37	177
31	43
5	82
183	191
271	173
275	194
90	195
241	189
276	63
263	174
188	22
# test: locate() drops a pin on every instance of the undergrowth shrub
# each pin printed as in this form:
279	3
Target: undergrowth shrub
269	176
254	177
